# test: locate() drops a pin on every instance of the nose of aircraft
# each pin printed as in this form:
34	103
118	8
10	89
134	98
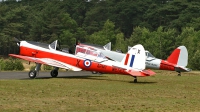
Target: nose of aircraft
18	44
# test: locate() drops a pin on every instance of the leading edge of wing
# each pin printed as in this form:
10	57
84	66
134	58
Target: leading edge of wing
47	61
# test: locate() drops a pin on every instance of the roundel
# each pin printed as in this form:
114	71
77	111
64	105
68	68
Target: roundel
87	63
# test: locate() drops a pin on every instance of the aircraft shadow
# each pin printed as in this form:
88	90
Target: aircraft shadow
91	78
68	77
142	82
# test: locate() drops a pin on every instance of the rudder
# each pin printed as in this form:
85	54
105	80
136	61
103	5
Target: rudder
179	56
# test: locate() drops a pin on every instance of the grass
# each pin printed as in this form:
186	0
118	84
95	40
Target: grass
163	92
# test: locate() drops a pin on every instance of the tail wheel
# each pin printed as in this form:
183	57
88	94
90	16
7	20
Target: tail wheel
32	74
54	73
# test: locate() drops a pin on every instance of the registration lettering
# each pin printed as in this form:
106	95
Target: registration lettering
119	70
101	66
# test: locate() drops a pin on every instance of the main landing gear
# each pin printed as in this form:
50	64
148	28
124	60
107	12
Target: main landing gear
54	73
94	72
135	79
33	73
179	73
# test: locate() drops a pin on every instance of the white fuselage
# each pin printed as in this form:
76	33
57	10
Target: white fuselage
151	62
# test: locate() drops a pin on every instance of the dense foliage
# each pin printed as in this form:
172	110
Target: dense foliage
11	64
160	25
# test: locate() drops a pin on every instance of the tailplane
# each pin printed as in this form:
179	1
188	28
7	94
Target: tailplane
179	56
135	58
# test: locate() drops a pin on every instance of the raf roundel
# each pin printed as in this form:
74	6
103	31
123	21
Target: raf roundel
87	63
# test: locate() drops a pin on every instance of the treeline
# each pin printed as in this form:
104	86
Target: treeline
160	25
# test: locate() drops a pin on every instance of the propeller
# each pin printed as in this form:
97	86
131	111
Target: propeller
16	40
18	44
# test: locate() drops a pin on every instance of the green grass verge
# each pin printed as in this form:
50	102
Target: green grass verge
163	92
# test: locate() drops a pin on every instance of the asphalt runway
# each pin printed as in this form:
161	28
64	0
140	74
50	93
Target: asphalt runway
42	74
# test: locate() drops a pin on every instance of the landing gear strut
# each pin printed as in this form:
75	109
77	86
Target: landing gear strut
135	79
94	72
54	73
179	73
33	73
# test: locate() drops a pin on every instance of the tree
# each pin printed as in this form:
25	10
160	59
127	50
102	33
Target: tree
104	36
120	43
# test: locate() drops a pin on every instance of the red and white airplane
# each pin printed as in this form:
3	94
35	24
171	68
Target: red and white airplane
177	61
85	58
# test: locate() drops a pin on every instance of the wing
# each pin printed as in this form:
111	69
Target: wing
47	61
141	73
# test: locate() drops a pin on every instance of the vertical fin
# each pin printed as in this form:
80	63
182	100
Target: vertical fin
107	46
179	56
135	58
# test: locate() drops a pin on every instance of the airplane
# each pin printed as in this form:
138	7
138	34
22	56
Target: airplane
177	61
85	58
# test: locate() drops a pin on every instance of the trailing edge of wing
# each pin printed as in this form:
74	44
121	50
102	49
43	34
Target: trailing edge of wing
141	73
47	61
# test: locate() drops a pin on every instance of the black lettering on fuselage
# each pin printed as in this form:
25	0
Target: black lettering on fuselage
101	66
77	63
119	70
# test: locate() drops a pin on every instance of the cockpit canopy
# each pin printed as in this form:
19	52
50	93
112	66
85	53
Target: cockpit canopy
148	54
55	45
87	52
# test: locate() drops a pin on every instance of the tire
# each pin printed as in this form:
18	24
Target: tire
94	72
54	73
32	74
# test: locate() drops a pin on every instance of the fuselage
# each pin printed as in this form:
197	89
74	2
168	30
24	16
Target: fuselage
155	63
40	50
151	61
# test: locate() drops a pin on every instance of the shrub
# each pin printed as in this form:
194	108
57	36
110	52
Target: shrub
11	64
8	65
18	65
32	68
47	67
1	64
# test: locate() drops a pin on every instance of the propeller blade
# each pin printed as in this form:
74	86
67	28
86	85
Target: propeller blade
15	39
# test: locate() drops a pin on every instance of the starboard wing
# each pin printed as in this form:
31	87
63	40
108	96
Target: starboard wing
47	61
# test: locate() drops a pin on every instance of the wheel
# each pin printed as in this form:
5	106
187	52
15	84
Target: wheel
179	73
135	81
54	73
100	73
32	74
94	72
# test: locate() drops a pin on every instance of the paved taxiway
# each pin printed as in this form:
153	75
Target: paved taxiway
42	74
